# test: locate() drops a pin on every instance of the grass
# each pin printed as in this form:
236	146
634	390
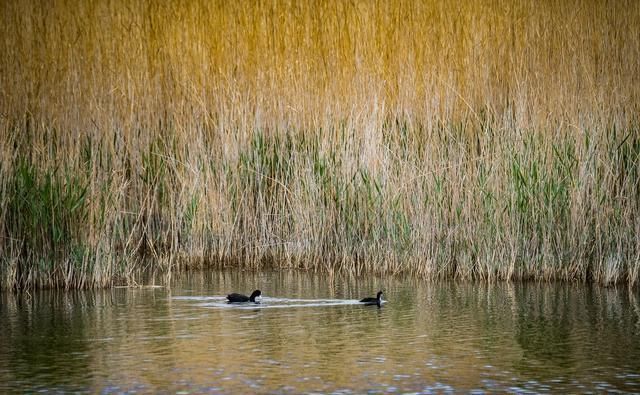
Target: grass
477	140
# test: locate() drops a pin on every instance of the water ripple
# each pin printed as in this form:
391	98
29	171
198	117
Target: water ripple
267	302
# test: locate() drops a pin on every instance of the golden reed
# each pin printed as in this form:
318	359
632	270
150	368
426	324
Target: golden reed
481	139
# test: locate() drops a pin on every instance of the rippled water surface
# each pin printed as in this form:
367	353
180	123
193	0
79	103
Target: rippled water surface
309	334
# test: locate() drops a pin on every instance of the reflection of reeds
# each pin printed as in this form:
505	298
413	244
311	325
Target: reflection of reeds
437	139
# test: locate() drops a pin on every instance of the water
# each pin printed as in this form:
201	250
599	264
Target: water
309	335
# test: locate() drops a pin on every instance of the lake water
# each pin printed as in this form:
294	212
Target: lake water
309	334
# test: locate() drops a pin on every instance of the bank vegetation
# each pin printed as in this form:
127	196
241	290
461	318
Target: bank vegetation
491	140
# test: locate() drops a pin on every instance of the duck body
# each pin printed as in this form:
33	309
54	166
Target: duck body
373	301
240	298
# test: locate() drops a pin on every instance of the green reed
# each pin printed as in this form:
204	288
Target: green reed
563	209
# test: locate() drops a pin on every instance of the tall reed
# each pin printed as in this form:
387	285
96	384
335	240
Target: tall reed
488	139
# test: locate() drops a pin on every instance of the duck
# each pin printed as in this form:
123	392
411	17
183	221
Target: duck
373	301
240	298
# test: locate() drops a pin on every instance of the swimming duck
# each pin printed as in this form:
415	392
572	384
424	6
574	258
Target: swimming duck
239	298
371	301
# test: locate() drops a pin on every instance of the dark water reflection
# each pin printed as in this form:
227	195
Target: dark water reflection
430	337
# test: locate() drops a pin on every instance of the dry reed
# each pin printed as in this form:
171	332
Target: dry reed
485	139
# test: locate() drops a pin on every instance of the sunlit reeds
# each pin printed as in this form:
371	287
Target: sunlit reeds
494	140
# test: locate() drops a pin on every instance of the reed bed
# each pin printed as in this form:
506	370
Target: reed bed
493	140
